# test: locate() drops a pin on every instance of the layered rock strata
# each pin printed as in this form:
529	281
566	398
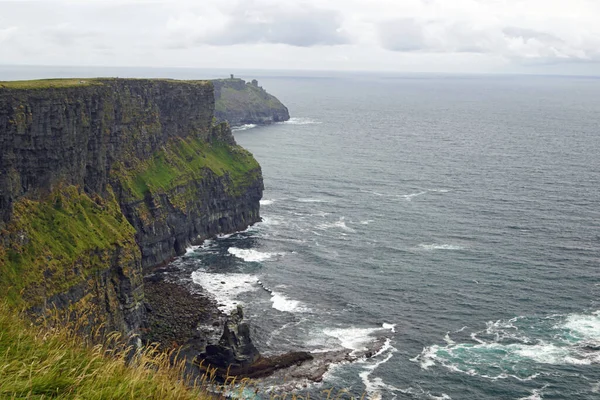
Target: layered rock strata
103	178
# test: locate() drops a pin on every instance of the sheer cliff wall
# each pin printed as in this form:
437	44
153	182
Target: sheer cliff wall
102	178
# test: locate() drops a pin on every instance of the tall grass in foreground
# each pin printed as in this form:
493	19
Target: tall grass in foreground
50	360
53	362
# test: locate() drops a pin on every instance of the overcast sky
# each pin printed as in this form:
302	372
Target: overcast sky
535	36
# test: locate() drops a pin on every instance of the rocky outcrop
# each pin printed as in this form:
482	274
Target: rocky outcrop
101	178
246	103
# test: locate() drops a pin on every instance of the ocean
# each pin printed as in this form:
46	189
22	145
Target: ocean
454	217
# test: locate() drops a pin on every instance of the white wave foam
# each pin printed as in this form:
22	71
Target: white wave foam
585	327
268	221
436	246
409	197
536	394
355	339
366	222
391	327
251	255
266	202
243	127
282	303
191	250
340	224
310	200
299	121
224	288
375	386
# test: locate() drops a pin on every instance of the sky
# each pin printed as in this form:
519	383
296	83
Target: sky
456	36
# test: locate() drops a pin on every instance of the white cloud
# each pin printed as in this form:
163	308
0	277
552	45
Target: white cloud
460	35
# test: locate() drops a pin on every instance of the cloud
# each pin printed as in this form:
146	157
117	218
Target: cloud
470	35
515	43
301	25
7	33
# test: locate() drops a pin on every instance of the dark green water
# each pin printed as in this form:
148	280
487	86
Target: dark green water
462	210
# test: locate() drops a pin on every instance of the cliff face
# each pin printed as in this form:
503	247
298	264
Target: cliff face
102	177
246	103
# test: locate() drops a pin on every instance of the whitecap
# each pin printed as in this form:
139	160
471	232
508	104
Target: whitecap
339	224
311	200
251	255
355	339
266	202
191	250
243	127
299	121
391	327
436	246
282	303
409	197
582	326
366	222
224	288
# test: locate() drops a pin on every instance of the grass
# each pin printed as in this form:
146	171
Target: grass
250	97
48	83
184	160
59	241
50	361
79	82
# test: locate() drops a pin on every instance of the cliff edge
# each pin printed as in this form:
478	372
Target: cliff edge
102	179
246	103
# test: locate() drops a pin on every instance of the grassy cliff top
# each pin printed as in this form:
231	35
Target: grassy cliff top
75	82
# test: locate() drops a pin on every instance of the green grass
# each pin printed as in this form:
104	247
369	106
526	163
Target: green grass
51	362
79	82
57	242
49	83
185	160
251	97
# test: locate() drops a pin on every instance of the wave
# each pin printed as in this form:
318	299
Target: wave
299	121
340	224
251	255
266	202
282	303
225	288
517	348
310	200
243	127
374	386
409	197
436	246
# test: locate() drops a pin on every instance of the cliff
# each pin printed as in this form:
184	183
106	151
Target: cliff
101	179
246	103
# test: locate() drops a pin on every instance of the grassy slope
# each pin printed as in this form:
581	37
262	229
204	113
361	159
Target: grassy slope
48	237
44	363
185	160
48	83
79	82
251	98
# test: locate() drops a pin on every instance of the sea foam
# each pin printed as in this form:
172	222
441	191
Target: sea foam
224	288
251	255
243	127
299	121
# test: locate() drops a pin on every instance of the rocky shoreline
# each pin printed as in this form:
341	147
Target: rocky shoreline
180	316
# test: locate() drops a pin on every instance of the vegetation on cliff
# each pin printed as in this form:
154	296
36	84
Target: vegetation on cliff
52	362
54	243
100	178
183	160
246	103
